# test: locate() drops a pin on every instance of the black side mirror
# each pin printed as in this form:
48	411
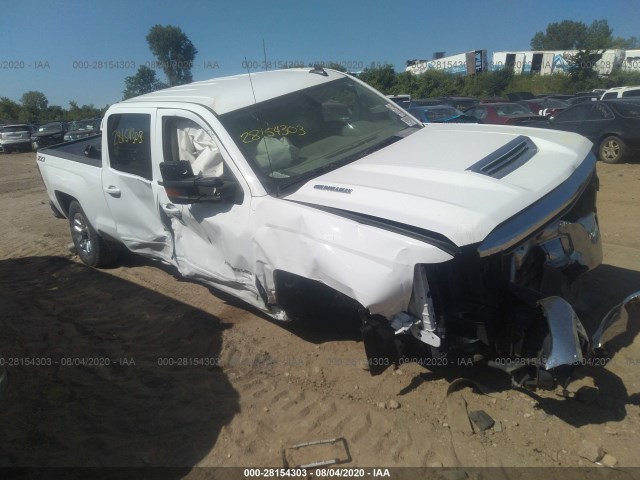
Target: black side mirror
183	187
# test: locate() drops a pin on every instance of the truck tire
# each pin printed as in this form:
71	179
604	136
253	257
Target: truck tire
92	249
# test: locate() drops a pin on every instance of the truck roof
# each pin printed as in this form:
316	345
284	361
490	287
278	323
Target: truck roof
226	94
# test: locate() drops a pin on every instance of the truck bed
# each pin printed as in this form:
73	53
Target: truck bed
75	150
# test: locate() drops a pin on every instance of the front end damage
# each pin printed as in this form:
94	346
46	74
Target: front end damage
509	299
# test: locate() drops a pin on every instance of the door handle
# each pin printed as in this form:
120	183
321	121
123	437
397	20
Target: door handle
113	191
171	210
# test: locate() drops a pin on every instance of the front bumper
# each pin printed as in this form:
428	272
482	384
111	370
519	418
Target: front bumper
10	145
509	299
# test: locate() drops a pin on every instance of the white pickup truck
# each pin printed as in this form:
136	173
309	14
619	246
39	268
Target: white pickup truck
276	186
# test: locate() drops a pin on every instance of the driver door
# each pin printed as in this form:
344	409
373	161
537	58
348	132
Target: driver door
212	238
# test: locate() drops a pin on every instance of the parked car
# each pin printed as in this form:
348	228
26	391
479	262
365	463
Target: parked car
16	137
426	102
494	100
403	100
82	129
501	113
48	134
545	106
460	103
612	125
308	187
584	97
440	114
621	92
559	96
517	96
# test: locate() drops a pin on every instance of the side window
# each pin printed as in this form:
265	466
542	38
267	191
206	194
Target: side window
130	143
632	93
579	112
600	112
184	139
610	95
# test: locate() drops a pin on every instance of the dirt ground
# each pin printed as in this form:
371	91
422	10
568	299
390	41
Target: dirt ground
94	377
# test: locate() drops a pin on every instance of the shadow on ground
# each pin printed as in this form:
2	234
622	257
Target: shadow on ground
93	371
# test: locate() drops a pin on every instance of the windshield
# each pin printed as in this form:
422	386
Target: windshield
303	134
50	127
15	128
442	113
553	103
83	125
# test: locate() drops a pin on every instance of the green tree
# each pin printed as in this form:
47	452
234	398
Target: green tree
9	110
382	78
630	43
76	112
581	66
488	84
54	113
406	83
598	36
570	35
144	81
336	66
34	105
174	51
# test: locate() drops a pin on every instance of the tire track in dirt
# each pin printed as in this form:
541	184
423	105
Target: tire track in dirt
269	394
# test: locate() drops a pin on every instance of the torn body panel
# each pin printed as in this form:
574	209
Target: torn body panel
371	266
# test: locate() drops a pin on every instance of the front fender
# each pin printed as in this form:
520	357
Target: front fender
373	266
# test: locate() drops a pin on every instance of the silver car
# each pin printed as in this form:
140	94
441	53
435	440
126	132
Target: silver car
16	137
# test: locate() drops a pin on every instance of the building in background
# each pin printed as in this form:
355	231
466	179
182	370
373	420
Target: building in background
554	61
545	62
468	63
631	62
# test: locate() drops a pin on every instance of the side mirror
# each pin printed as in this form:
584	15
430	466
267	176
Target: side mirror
183	187
552	119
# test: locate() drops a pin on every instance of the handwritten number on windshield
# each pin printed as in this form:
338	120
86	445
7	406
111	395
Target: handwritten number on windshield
277	131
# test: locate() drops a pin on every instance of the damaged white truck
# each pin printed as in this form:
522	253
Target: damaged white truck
447	239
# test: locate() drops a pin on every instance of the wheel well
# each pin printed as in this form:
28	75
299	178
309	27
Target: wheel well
298	294
602	137
64	200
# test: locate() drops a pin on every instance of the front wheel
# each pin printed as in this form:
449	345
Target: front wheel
92	249
612	149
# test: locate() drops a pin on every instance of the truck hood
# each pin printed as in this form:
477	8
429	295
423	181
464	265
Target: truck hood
433	179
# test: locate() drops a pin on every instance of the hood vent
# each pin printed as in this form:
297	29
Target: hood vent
506	159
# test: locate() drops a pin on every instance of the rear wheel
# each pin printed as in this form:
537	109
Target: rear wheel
92	249
612	149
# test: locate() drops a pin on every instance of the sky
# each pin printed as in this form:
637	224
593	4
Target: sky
83	50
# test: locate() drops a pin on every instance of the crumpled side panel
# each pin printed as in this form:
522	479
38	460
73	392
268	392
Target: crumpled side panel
209	248
373	266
